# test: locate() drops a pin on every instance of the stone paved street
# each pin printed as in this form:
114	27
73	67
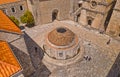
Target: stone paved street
101	54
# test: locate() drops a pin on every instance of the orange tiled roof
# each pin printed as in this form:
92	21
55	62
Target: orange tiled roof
109	1
7	25
7	1
8	62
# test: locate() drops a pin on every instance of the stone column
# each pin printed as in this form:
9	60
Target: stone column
97	23
83	18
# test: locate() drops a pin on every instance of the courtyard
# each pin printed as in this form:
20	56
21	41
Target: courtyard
95	45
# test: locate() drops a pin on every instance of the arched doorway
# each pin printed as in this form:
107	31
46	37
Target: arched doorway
54	14
78	16
89	22
80	5
89	19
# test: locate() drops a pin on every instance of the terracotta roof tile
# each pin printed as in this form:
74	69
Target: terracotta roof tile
61	36
7	25
7	1
8	63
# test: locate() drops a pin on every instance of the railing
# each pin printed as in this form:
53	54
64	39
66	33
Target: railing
77	11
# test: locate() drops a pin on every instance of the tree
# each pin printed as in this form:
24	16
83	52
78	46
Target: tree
28	19
14	20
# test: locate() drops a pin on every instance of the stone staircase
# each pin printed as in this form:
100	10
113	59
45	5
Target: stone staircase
77	11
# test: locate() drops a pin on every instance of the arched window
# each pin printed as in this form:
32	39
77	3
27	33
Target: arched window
79	5
54	14
13	9
21	7
93	4
89	19
89	22
61	54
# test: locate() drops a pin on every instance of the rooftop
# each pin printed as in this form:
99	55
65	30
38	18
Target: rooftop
61	36
7	25
8	63
7	1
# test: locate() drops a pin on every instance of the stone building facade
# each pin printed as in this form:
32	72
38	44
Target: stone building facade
46	11
114	24
61	45
15	9
92	12
89	13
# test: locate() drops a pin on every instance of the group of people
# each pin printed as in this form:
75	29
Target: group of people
87	58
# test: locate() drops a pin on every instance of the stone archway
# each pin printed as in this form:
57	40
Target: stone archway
54	14
89	20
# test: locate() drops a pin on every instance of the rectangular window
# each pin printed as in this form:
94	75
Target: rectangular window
21	7
61	54
13	9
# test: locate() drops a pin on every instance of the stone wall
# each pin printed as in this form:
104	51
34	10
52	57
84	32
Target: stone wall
114	24
7	36
95	15
33	6
42	10
62	52
7	8
25	61
47	7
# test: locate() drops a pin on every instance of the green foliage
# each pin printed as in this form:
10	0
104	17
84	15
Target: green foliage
14	20
28	19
